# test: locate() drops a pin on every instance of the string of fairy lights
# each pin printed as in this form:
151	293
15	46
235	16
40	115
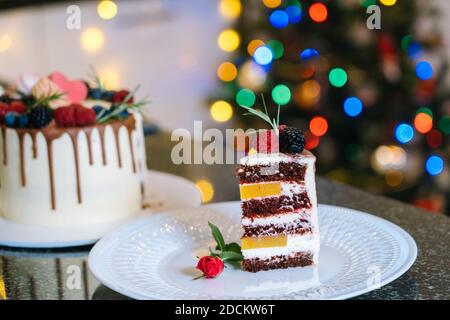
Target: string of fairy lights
252	74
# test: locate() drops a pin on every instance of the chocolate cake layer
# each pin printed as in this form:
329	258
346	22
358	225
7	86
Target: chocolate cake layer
287	171
302	227
273	205
299	259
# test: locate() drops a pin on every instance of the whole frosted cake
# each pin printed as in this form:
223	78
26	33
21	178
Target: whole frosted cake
71	152
279	205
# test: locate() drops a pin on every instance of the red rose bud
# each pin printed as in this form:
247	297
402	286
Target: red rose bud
120	96
18	106
84	116
65	116
210	266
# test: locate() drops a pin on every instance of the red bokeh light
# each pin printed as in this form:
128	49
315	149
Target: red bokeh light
318	12
318	126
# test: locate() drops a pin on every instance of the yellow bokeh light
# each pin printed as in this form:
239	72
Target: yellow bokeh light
92	40
110	78
206	190
107	9
221	111
253	45
227	71
228	40
388	2
230	9
5	42
272	3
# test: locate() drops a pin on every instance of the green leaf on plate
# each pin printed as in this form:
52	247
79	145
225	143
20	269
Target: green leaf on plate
217	235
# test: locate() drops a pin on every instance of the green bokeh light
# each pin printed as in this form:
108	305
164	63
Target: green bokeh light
276	47
406	40
281	94
425	110
368	3
444	124
338	77
292	3
245	98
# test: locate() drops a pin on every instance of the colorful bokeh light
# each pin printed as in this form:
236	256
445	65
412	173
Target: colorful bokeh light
272	3
434	138
281	94
228	40
263	55
318	126
276	47
227	71
338	77
434	165
279	19
221	111
318	12
404	133
423	122
353	106
107	9
92	40
230	9
253	45
206	190
388	2
246	98
294	13
424	70
311	141
309	53
444	124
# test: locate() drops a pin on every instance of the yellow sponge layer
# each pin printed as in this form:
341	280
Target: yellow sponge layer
264	242
250	191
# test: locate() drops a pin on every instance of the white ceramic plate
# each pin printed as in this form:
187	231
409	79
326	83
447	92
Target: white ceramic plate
159	187
155	257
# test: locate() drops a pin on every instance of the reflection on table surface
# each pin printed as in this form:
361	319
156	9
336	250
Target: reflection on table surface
64	274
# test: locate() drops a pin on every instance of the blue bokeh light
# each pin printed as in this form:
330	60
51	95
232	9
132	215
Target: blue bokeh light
263	55
294	14
404	133
353	106
414	50
434	165
279	19
424	70
308	54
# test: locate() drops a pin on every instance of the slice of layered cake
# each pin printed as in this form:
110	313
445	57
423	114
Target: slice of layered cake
279	206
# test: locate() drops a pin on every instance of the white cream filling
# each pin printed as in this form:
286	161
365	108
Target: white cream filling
277	219
305	157
295	243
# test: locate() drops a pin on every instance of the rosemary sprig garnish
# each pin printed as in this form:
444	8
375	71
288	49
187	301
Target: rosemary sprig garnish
274	122
105	115
44	101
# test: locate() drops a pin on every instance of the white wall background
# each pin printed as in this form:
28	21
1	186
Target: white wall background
167	46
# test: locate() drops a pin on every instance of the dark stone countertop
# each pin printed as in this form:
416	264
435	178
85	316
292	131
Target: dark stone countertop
64	274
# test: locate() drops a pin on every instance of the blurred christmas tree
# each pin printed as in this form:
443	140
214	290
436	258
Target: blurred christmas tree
376	114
